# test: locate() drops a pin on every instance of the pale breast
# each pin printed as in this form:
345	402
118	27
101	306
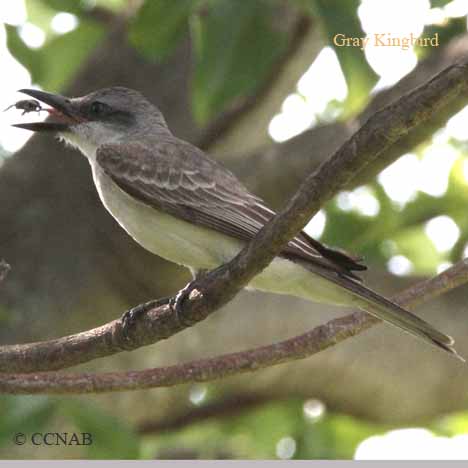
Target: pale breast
162	234
199	248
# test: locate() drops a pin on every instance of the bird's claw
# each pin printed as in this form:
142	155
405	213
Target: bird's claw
176	302
131	316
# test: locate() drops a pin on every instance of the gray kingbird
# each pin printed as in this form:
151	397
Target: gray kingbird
181	205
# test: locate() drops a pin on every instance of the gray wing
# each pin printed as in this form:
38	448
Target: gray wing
178	178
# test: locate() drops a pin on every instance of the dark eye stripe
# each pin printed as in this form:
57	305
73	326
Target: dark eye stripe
99	109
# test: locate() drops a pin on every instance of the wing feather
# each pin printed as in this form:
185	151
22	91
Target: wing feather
178	178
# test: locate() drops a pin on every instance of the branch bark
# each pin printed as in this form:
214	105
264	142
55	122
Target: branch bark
264	102
60	213
307	150
205	370
382	130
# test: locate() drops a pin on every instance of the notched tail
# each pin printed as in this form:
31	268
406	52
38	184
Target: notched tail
390	312
448	348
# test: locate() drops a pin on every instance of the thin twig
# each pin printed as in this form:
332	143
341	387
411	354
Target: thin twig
101	15
224	123
205	370
219	286
230	406
306	150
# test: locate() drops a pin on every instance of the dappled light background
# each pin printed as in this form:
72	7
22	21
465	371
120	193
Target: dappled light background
411	218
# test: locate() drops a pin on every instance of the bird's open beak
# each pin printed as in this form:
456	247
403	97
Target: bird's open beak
62	112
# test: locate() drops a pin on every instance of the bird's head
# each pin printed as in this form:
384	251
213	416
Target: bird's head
105	116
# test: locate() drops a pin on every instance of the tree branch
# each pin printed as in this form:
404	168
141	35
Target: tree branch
307	150
204	370
225	122
230	406
378	134
100	14
219	286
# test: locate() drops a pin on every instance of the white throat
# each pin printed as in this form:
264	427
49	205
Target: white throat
88	137
88	148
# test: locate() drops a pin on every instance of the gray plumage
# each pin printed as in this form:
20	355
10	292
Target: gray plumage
180	204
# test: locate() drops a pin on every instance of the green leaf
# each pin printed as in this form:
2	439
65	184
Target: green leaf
114	5
265	426
344	228
159	25
414	244
54	64
70	6
334	437
78	7
340	17
40	14
63	55
446	32
439	3
29	58
111	437
26	414
235	45
452	425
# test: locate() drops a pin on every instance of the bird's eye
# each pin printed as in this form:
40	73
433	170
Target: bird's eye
99	109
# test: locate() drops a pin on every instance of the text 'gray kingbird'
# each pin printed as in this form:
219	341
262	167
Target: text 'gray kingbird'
179	204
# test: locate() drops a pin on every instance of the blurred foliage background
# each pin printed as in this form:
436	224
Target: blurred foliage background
275	63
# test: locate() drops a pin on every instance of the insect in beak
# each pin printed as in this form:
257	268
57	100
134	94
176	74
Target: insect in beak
27	105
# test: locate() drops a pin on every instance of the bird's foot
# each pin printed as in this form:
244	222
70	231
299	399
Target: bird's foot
176	302
131	316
